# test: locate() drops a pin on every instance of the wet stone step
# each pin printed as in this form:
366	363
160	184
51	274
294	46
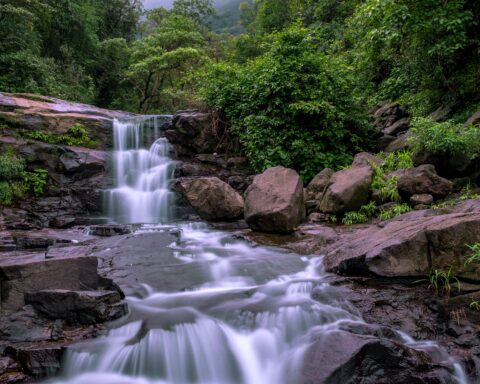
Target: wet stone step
111	230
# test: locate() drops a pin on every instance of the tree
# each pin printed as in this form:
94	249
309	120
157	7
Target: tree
173	49
292	106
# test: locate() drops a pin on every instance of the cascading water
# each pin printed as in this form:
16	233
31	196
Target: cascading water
252	319
141	193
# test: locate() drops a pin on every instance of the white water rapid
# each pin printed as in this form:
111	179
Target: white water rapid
251	320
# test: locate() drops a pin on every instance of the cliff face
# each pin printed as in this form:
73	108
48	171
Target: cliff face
70	142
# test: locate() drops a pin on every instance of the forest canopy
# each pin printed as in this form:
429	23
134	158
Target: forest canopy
294	78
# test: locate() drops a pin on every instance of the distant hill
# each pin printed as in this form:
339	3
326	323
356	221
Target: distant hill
228	19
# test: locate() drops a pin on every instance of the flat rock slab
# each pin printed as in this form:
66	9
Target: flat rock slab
24	273
409	247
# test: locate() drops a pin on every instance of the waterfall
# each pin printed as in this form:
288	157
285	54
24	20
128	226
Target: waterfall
141	173
251	319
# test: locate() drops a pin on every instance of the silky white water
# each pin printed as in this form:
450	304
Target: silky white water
250	322
142	171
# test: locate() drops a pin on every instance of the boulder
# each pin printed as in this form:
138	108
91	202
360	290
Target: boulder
409	246
349	189
423	199
212	198
365	159
194	131
21	274
399	144
78	307
318	184
274	202
422	180
347	358
399	126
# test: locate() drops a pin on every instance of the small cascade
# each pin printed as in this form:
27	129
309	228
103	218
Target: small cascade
142	172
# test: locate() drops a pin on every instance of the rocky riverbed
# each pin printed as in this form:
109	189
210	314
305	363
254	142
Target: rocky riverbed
64	273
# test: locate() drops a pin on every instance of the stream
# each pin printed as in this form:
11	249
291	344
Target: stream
251	319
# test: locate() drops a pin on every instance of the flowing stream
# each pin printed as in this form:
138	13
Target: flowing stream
251	320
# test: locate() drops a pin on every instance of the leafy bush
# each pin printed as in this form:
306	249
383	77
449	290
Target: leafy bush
15	181
387	186
11	167
292	106
358	217
447	138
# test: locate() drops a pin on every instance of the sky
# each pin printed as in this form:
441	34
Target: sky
149	4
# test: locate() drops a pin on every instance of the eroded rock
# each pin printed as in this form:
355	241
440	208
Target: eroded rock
274	202
212	198
422	180
349	189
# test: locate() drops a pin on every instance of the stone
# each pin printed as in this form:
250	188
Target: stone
24	325
240	183
212	198
423	199
441	113
365	159
409	246
194	131
22	274
349	189
108	230
422	180
399	126
399	144
318	184
77	307
33	112
38	361
274	202
474	119
347	358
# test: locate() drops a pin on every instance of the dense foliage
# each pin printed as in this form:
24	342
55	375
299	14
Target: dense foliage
291	106
291	79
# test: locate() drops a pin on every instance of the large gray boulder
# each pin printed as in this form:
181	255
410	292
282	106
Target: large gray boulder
349	189
411	245
274	202
344	357
212	198
422	180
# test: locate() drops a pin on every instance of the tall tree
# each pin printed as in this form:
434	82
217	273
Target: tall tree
174	48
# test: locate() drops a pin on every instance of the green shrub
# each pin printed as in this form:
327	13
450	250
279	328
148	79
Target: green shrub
292	106
396	210
445	138
37	181
76	135
355	217
11	167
